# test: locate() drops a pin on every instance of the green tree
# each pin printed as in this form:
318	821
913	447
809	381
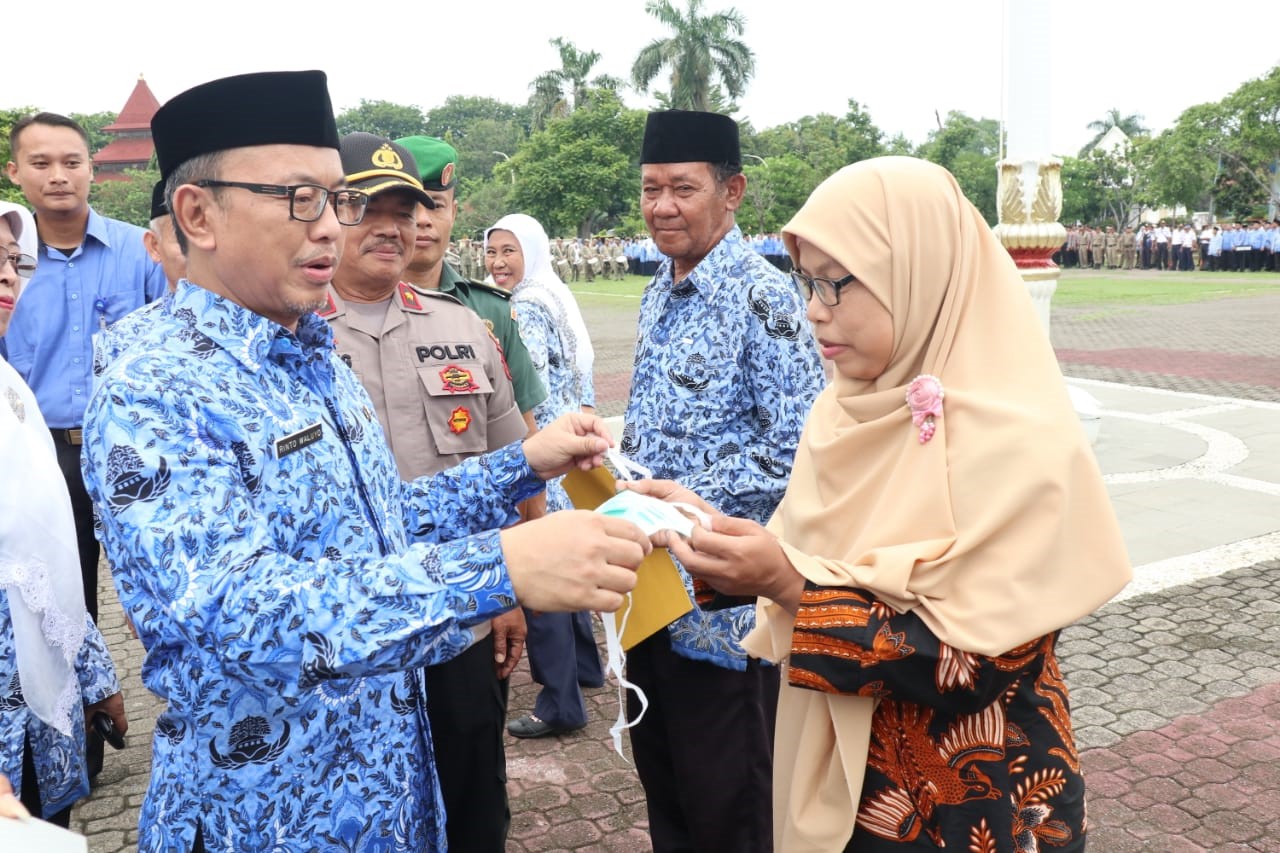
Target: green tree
1082	192
581	174
455	118
827	142
480	204
128	199
899	145
1120	175
1254	127
382	118
558	92
8	118
1224	156
1181	168
781	184
758	201
93	123
1131	125
968	148
482	130
483	146
702	49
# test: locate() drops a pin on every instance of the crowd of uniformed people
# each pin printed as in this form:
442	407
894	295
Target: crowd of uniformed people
1252	246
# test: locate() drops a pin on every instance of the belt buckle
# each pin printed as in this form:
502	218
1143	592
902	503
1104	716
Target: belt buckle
75	436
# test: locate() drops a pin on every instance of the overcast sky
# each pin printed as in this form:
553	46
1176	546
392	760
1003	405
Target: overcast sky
904	61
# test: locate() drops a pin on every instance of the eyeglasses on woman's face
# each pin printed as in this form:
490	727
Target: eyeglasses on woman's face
24	264
827	290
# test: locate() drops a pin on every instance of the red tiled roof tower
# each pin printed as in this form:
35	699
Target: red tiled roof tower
132	147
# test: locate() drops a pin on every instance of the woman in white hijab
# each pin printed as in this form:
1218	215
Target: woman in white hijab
560	646
54	667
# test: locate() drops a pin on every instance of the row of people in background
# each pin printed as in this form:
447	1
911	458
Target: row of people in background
1235	247
610	258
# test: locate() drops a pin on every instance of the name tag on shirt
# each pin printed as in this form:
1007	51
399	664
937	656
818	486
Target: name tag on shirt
298	440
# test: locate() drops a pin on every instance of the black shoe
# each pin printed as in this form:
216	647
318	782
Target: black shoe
530	726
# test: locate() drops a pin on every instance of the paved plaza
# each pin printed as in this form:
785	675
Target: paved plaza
1175	684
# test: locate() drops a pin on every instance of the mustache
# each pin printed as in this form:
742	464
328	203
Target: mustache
395	244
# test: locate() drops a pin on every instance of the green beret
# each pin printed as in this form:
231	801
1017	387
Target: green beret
437	161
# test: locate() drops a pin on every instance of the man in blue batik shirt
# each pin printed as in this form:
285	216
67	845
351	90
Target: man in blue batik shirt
286	584
726	369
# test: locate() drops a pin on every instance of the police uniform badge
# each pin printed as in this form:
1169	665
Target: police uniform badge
385	157
330	307
459	420
458	380
409	297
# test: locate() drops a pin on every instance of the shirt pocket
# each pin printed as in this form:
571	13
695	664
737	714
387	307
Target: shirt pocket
457	405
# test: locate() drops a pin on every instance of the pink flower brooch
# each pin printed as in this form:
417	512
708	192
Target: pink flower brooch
924	397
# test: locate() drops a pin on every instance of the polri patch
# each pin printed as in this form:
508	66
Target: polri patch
459	420
294	442
458	380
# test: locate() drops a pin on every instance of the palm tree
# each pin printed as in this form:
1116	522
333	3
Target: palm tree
562	90
700	48
1131	125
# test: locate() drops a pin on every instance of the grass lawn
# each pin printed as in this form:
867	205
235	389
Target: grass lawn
1076	287
602	292
1147	287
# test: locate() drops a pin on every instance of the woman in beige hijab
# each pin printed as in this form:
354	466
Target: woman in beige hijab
944	520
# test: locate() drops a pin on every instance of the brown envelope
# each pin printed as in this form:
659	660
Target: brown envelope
659	597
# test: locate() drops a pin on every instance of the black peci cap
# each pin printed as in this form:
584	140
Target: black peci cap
686	136
267	108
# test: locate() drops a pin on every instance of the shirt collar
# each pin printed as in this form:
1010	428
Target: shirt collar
97	228
249	337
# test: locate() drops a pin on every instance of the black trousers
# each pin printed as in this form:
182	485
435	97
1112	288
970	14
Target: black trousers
82	510
467	708
704	750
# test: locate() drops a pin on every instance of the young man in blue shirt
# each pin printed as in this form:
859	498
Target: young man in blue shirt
92	271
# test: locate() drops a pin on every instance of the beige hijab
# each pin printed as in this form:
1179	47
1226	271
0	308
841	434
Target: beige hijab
996	531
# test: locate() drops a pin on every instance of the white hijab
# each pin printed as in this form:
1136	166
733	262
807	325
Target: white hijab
23	227
538	270
39	563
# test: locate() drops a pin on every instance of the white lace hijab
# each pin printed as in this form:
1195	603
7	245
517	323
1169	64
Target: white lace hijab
39	563
553	293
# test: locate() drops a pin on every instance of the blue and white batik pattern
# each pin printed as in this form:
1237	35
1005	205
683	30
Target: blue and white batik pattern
549	337
59	759
726	370
112	341
280	578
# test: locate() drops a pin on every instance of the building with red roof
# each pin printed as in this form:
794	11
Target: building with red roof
132	147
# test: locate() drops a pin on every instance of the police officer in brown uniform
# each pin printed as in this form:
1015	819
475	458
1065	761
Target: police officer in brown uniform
1111	247
442	393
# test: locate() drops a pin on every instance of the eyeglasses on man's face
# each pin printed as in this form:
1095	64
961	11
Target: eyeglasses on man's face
827	291
306	201
24	264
